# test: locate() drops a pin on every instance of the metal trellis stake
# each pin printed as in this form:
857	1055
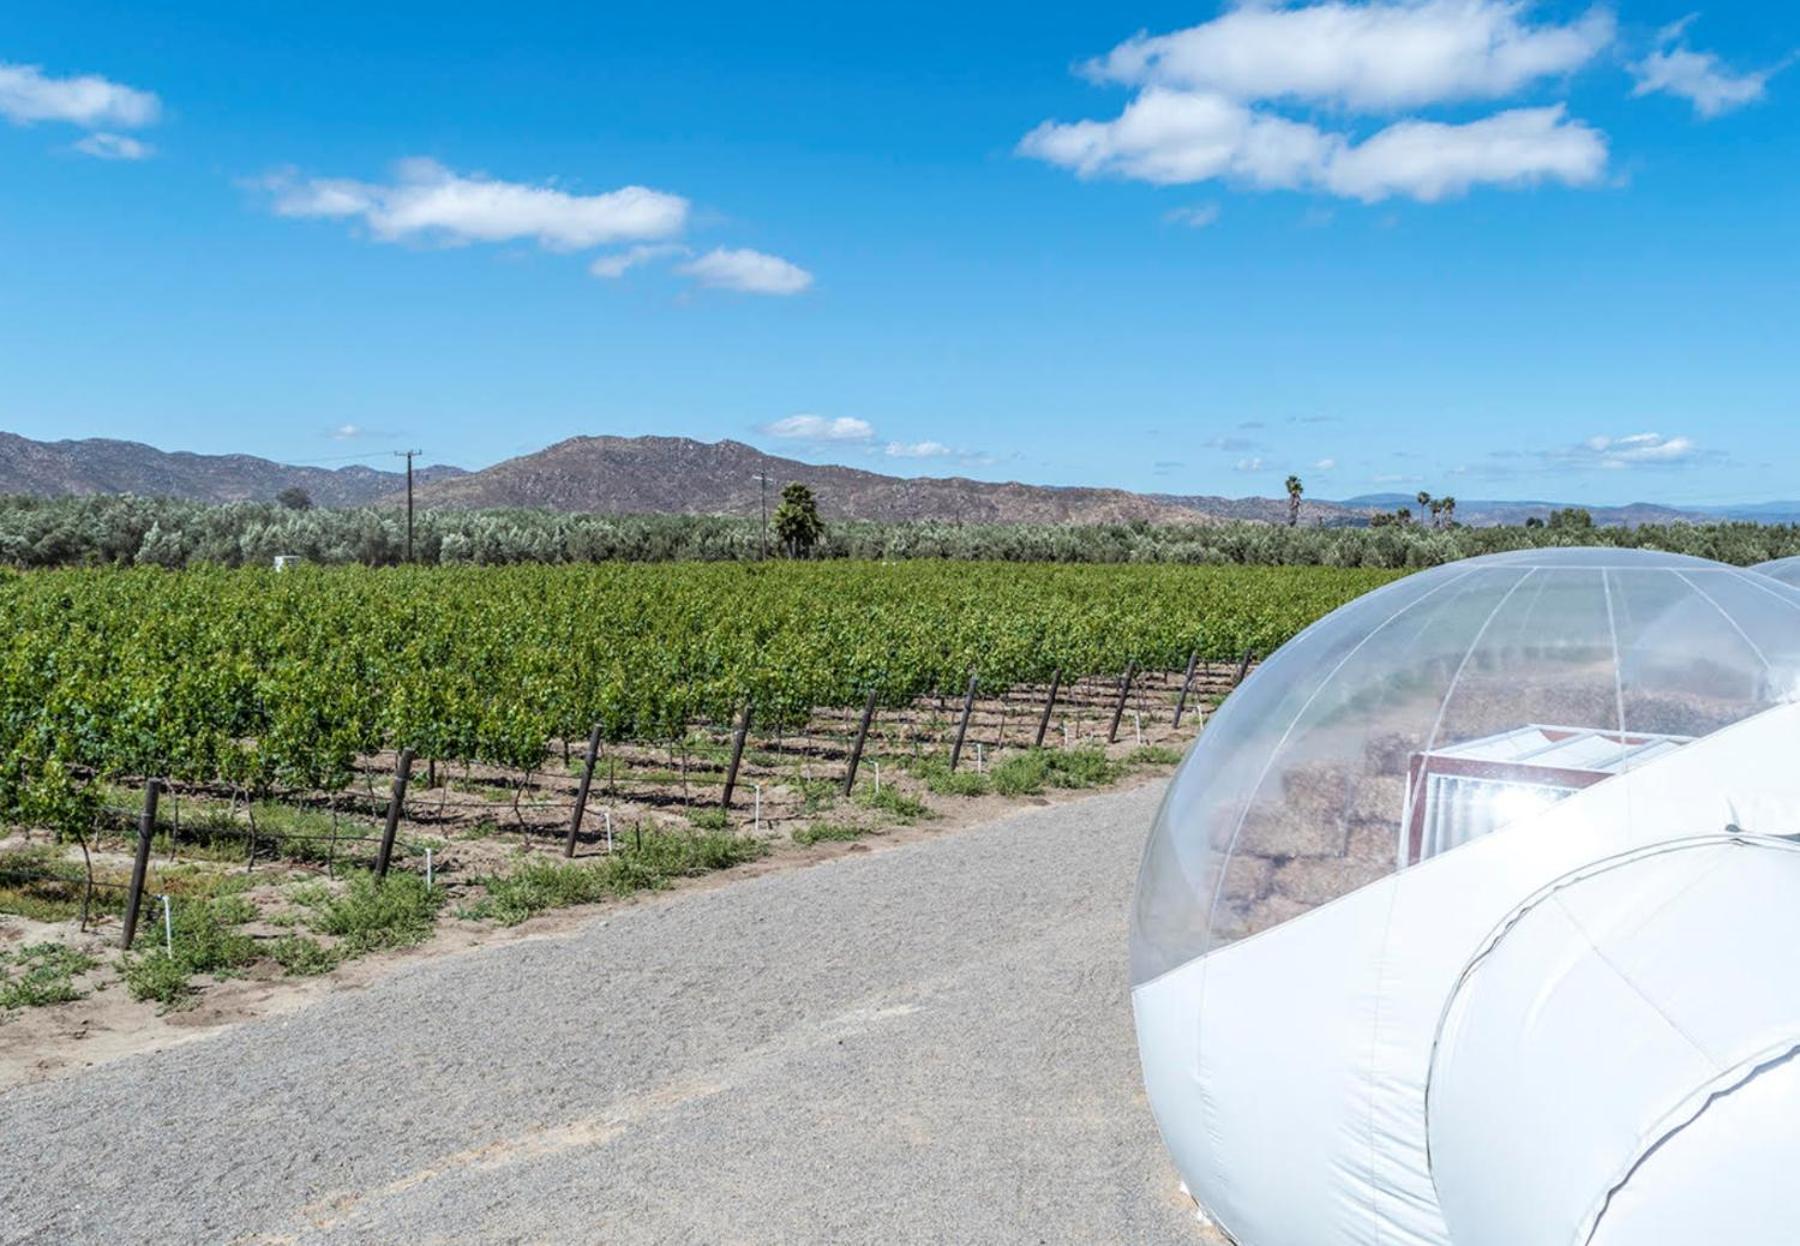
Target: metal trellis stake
862	735
1112	732
581	793
1187	682
140	865
962	728
737	756
1244	667
1049	706
397	801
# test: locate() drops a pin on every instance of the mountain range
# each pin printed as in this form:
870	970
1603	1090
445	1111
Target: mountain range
98	465
678	475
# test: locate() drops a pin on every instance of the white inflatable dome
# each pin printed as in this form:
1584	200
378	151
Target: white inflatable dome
1470	918
1787	570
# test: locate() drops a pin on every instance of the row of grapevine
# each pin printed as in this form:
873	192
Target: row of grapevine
260	679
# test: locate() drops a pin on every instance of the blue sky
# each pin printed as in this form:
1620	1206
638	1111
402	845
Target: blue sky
1482	248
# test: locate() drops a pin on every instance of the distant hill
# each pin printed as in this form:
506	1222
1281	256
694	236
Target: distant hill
1486	513
98	465
677	475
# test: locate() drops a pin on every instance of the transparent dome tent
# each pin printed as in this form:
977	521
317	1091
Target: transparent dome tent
1341	918
1787	570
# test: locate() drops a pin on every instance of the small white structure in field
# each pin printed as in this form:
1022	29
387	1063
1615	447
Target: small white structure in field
1787	570
284	561
1472	919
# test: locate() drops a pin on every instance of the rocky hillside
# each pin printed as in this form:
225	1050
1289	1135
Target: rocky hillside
677	475
98	465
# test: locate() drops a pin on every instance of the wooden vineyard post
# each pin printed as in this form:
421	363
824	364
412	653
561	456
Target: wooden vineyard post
1049	707
1112	732
396	801
1187	681
1244	667
856	750
140	865
581	792
962	728
737	756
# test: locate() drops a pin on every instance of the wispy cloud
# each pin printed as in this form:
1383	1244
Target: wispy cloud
106	146
819	428
749	272
1701	78
1231	445
1325	465
1173	138
918	450
1196	217
28	95
346	432
428	202
1253	464
618	263
1604	453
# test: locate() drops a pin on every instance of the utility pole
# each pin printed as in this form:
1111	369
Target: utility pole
408	456
765	515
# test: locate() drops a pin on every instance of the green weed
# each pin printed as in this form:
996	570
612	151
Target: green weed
39	974
820	832
539	884
367	914
301	956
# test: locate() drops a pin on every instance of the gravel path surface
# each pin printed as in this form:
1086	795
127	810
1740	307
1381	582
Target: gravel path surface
925	1044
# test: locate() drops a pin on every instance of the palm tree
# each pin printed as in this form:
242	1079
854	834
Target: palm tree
1424	500
1449	504
1295	489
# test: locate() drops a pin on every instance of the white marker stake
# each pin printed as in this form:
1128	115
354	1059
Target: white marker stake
1138	720
758	815
168	928
877	766
609	830
980	760
428	874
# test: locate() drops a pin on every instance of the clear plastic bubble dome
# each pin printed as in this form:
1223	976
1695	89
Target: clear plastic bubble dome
1787	570
1441	708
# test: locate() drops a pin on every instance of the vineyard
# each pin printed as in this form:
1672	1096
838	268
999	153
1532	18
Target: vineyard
280	713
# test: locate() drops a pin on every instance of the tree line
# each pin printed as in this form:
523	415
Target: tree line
129	531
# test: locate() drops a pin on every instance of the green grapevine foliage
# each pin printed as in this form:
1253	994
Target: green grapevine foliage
271	680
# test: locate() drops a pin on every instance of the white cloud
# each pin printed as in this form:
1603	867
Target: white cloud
1206	101
1637	450
1701	78
1430	160
750	272
1325	465
428	201
1249	465
1197	217
1392	54
105	146
820	428
1169	137
346	432
918	450
28	96
618	263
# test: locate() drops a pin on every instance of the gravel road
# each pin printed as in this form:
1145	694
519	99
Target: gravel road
926	1044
